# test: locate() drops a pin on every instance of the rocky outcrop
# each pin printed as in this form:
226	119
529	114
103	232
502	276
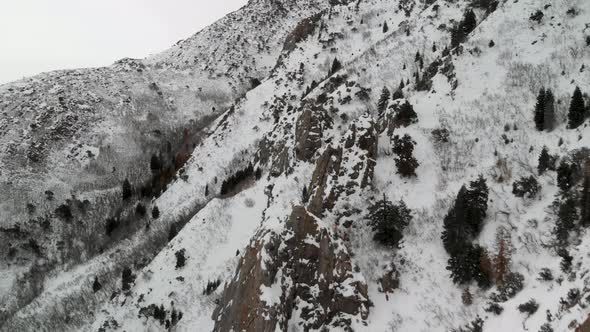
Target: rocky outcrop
345	168
302	276
309	131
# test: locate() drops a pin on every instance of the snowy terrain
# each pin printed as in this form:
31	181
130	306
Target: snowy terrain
321	155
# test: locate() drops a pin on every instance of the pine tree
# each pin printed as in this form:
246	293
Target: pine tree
576	111
453	227
460	31
383	101
172	232
401	84
544	161
155	164
405	161
567	216
406	115
585	200
549	111
127	191
398	94
96	286
155	212
565	176
462	225
469	22
388	220
540	110
127	279
336	66
477	205
385	27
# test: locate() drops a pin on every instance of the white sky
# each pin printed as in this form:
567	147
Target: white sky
42	35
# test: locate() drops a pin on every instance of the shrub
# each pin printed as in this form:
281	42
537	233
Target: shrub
441	135
573	297
537	16
475	326
494	308
466	297
127	278
513	283
211	287
64	212
529	307
526	187
566	260
545	274
234	180
180	258
546	328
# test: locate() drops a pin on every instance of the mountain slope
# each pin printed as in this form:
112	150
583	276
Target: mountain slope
277	193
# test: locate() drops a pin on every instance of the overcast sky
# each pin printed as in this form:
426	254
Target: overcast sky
43	35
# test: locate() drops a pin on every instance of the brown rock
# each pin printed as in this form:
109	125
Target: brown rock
313	271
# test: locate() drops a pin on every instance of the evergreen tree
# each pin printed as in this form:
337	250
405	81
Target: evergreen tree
385	27
155	212
398	94
401	85
127	191
405	161
180	258
544	161
540	110
336	66
453	235
565	174
460	31
469	22
461	226
576	111
567	217
585	200
172	232
477	205
155	164
383	101
127	279
96	286
406	115
388	220
549	111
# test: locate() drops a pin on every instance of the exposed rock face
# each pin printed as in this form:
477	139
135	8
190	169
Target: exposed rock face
308	133
346	168
303	274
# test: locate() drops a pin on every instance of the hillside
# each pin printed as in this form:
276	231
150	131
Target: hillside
368	165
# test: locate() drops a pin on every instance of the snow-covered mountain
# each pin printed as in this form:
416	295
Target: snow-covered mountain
267	158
